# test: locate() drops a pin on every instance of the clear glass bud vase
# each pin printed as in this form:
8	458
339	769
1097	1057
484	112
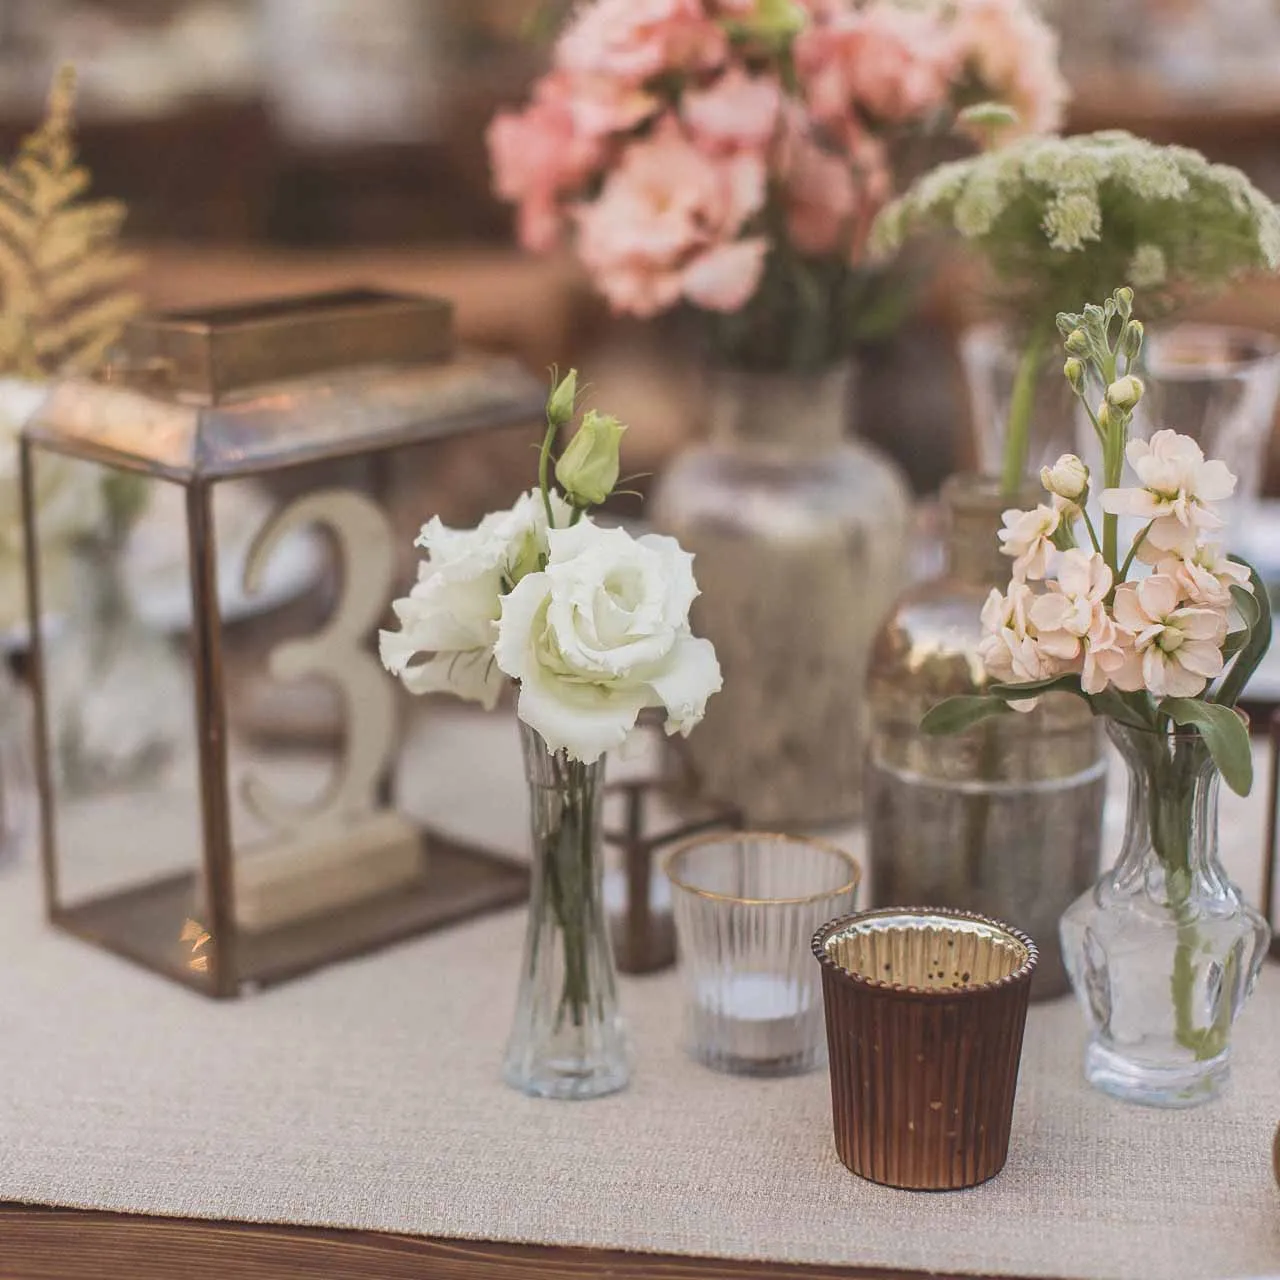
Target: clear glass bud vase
1163	951
568	1039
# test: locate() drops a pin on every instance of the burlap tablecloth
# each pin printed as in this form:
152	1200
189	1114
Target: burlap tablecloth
368	1096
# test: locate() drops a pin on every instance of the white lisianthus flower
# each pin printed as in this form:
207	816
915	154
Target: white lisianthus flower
1067	479
1180	645
1178	486
1027	536
601	634
450	617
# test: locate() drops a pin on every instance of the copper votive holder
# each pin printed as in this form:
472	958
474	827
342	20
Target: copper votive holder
925	1014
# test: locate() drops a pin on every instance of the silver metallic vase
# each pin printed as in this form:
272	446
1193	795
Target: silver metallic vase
800	536
1006	818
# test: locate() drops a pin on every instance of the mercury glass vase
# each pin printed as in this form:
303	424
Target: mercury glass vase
800	536
1004	820
1163	950
568	1039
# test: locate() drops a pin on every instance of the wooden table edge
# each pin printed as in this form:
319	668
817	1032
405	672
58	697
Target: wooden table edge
42	1243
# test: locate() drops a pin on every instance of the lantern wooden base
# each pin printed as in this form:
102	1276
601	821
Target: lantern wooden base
156	925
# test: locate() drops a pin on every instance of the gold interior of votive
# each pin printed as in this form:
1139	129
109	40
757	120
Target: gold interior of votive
927	952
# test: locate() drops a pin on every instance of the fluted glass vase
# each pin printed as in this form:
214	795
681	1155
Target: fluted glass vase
1163	951
568	1039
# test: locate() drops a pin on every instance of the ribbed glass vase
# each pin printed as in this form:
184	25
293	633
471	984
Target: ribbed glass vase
1163	951
568	1039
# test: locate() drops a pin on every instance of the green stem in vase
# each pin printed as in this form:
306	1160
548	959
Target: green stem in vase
1021	404
570	877
1173	768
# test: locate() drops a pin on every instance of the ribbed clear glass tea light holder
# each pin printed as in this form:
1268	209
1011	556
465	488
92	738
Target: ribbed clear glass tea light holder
746	907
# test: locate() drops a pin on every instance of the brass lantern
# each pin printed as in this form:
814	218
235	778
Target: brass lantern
225	796
1271	883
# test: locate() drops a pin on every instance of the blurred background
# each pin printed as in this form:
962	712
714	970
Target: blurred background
267	146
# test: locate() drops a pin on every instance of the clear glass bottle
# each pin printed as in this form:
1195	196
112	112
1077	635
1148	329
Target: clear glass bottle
801	540
1005	819
568	1038
1162	950
990	356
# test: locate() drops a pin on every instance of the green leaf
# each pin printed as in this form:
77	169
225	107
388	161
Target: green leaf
1114	705
1255	650
1247	606
1234	643
1017	692
954	715
1224	733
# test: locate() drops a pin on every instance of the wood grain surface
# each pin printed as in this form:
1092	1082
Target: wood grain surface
65	1244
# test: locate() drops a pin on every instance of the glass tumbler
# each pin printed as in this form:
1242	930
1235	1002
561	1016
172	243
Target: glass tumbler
746	907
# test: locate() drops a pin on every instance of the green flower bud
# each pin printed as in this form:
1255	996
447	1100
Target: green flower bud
1124	393
1078	342
588	468
1124	302
774	19
1068	478
1073	370
1131	339
562	399
1104	415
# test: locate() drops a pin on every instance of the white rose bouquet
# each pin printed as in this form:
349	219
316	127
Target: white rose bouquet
592	625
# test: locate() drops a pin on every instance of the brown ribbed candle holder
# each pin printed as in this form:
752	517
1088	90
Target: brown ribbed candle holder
925	1013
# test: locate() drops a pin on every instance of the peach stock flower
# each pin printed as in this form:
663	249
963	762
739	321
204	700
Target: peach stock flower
1027	537
1014	55
1180	645
893	62
1177	490
636	40
667	224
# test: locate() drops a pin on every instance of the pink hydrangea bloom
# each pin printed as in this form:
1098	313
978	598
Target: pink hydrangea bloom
894	63
1014	55
635	40
668	223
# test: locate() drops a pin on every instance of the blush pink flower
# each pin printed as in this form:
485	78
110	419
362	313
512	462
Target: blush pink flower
1205	575
1013	53
667	225
635	40
821	197
1180	645
1083	583
539	156
738	111
894	63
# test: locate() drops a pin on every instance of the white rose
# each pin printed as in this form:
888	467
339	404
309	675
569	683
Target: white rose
451	615
602	634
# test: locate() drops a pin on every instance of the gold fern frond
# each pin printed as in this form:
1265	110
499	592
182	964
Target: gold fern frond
63	301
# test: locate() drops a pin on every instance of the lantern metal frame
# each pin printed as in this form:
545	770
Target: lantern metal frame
201	358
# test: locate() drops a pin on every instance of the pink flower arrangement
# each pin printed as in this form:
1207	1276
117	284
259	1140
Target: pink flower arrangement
684	144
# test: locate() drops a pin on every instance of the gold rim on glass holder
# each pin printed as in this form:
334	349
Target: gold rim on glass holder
883	919
770	837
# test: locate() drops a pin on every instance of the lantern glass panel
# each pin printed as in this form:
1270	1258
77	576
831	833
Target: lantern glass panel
119	689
